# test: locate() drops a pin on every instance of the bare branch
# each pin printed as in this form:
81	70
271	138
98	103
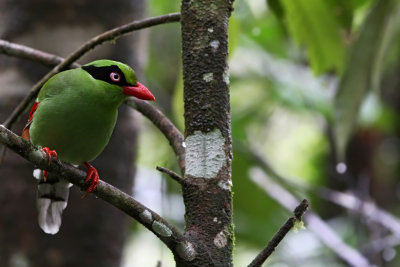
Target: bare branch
26	52
278	237
314	223
169	130
148	218
99	39
171	174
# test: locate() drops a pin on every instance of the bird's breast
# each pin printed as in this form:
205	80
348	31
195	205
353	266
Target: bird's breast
78	131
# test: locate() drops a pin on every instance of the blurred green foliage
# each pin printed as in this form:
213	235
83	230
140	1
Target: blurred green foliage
312	23
364	69
298	69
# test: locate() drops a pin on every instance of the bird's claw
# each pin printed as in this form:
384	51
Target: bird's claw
50	154
92	178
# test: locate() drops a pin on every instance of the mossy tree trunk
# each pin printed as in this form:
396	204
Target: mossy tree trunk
207	187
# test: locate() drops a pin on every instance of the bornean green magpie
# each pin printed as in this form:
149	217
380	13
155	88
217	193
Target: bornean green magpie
73	119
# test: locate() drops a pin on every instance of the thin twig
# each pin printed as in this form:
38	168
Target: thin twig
99	39
171	174
26	52
161	121
148	218
278	237
314	223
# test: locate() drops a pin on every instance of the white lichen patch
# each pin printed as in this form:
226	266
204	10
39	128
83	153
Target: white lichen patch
208	77
146	216
186	251
205	155
37	173
225	76
161	229
214	45
226	185
220	239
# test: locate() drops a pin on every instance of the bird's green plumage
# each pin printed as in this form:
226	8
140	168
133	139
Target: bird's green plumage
77	113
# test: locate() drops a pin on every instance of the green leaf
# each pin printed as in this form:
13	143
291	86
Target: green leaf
276	7
313	24
363	71
346	10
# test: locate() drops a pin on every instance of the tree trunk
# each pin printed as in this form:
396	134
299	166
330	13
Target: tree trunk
92	233
207	187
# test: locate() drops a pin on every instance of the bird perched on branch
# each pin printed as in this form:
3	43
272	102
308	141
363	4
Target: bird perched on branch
73	119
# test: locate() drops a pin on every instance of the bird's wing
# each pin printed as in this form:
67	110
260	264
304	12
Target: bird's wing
58	84
54	86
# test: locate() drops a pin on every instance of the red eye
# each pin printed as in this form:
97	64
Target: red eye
115	76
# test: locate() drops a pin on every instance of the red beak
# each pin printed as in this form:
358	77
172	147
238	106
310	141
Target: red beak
139	91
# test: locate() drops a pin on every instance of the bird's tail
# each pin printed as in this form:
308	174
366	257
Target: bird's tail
52	198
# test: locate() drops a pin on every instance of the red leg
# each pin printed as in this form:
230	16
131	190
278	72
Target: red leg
49	154
92	177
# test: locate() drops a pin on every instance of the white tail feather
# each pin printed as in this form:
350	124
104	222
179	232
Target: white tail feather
50	215
52	197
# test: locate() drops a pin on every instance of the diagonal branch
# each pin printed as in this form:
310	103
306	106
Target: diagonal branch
155	223
278	237
26	52
314	223
97	40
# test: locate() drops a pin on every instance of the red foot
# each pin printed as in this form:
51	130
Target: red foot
92	177
49	154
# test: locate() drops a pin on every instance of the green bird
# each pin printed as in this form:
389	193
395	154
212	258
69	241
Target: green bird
72	119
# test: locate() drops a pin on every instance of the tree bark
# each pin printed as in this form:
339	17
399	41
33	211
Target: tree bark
207	185
92	233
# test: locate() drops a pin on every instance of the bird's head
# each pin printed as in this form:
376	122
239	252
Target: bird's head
119	75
